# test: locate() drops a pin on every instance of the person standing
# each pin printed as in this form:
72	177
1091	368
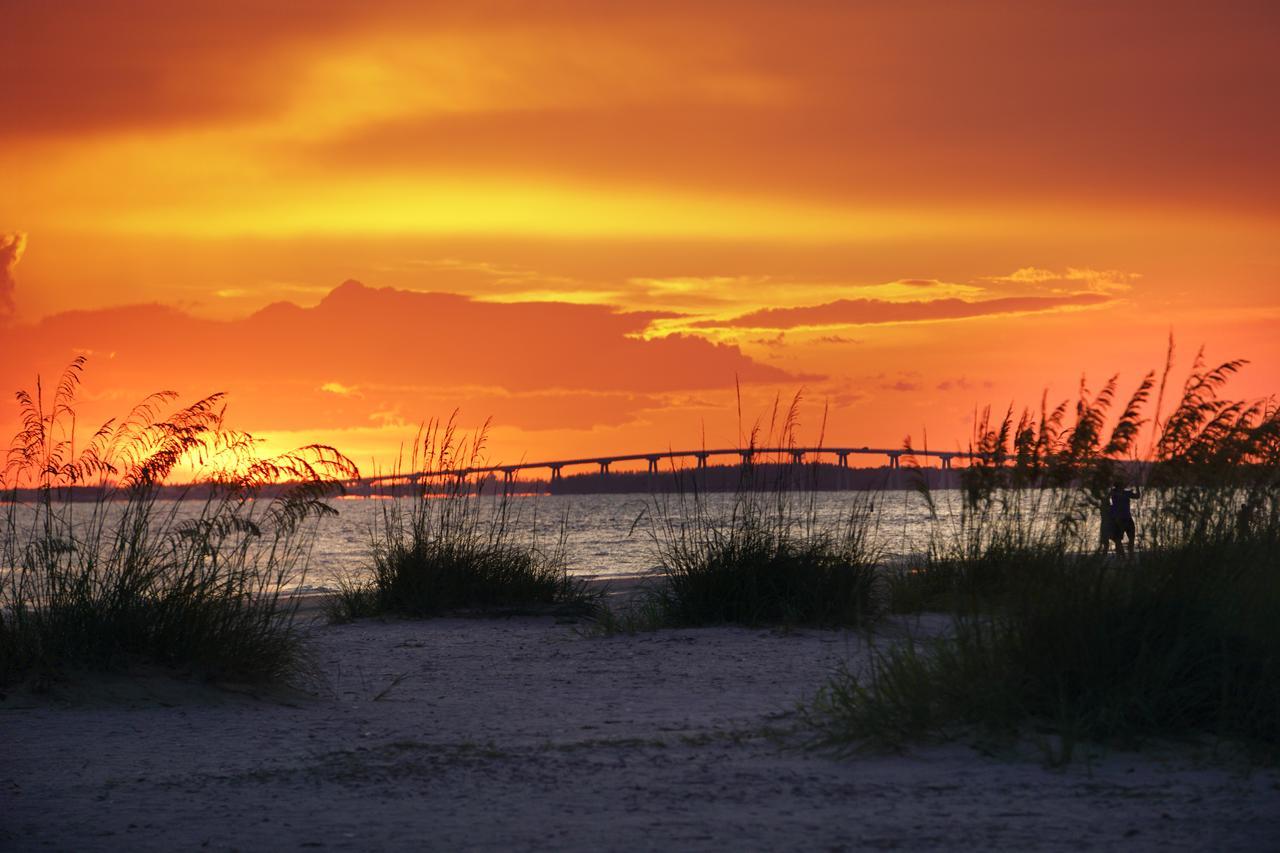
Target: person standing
1107	528
1122	526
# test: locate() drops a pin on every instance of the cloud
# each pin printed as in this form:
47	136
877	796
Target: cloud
842	399
963	383
902	381
855	312
774	342
1097	281
364	350
510	280
339	389
971	106
11	249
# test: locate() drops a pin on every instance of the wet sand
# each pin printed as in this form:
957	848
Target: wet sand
526	733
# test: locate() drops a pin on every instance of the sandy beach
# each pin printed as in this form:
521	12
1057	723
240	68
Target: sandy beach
527	733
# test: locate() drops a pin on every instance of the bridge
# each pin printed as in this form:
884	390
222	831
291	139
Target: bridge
746	456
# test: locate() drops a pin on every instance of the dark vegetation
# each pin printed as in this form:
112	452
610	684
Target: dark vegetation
762	555
450	547
197	584
1054	634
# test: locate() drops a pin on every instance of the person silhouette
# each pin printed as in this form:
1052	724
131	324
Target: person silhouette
1122	526
1107	529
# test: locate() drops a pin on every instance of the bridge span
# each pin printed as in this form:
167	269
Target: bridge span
746	456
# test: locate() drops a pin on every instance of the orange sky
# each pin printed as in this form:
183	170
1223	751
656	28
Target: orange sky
586	222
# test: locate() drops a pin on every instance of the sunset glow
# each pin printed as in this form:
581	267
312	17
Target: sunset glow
591	224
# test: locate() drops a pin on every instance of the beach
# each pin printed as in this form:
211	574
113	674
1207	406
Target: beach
591	426
532	733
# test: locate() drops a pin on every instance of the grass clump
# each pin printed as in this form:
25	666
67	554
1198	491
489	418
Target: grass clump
643	614
354	599
1052	632
1093	650
102	564
764	556
755	570
441	546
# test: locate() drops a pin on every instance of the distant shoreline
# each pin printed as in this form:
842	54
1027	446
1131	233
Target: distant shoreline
713	478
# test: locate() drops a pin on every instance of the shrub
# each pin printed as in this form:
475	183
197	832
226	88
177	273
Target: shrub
441	544
1051	631
103	563
765	556
1185	641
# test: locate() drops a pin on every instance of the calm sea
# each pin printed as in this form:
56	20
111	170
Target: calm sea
604	535
613	535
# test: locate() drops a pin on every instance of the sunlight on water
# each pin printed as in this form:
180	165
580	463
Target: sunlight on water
612	535
608	535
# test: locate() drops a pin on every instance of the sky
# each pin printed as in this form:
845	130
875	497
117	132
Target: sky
613	228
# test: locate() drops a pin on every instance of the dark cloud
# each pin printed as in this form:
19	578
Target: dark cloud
902	100
11	248
900	381
363	350
847	398
854	312
961	383
774	342
85	66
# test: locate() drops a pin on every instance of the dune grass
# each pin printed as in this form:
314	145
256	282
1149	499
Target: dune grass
1091	650
1054	634
102	566
763	556
758	566
441	544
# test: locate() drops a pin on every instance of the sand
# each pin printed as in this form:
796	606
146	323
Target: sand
524	734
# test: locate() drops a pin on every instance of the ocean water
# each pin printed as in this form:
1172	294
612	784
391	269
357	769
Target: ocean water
614	535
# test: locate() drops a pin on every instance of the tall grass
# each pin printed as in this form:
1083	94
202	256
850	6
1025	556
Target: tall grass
102	564
1051	630
442	544
764	556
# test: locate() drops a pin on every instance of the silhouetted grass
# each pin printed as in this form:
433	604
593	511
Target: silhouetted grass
644	613
196	583
1054	633
355	599
765	557
748	572
448	547
1092	649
